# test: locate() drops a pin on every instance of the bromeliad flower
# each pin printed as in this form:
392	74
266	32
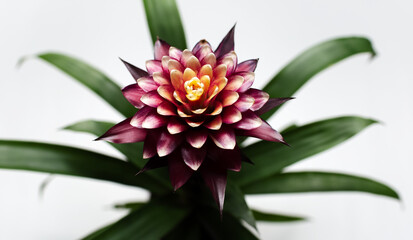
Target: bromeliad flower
192	104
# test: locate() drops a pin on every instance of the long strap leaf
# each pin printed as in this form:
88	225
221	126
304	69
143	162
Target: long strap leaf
50	158
133	151
297	182
150	222
93	79
270	158
295	74
273	217
164	22
236	205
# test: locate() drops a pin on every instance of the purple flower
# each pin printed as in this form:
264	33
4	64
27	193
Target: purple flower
192	105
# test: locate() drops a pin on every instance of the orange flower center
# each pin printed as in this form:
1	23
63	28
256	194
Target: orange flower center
194	89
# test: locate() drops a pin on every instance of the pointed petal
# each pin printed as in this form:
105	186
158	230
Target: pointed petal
133	94
199	110
247	66
200	47
180	97
209	59
183	112
216	87
149	146
270	104
264	132
153	66
165	61
160	79
206	80
166	91
234	82
215	124
227	159
166	109
227	44
123	132
232	159
154	120
229	60
203	52
154	163
193	63
167	143
224	138
216	180
179	172
228	97
176	126
135	71
245	102
206	70
231	115
173	64
197	138
217	109
192	123
177	80
249	121
140	116
147	84
260	97
161	49
188	74
175	53
186	54
248	81
220	71
152	99
193	157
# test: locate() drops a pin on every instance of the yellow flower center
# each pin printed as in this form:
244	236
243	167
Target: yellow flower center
194	89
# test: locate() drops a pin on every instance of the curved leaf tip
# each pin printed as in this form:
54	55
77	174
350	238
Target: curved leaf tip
299	182
306	140
312	61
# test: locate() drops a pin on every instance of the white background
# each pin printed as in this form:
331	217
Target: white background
37	100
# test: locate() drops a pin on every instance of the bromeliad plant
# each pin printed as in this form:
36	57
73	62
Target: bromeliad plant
188	108
191	105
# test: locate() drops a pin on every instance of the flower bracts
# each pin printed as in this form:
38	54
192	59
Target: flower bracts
192	105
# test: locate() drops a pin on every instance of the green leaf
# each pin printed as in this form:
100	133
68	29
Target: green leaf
130	205
309	63
290	127
270	158
91	78
150	222
164	22
50	158
236	205
133	151
294	182
229	227
272	217
96	233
